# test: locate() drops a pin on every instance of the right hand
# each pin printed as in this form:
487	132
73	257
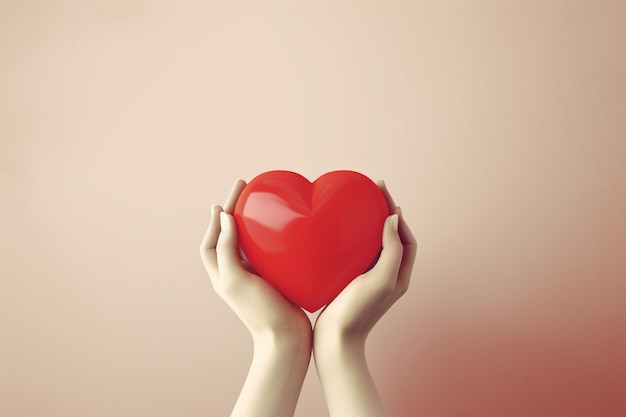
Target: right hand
355	311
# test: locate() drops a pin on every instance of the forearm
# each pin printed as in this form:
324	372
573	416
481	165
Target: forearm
346	381
275	378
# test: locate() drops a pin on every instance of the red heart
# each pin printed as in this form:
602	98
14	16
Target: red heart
309	240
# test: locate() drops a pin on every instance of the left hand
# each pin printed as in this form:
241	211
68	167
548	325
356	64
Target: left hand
259	306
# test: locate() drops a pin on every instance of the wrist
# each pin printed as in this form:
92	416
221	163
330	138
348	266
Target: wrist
283	340
341	336
339	343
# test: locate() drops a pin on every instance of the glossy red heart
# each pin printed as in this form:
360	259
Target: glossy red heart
309	240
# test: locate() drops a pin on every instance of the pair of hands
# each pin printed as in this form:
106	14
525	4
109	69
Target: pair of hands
275	322
354	312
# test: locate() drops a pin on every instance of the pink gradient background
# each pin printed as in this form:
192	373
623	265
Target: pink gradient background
499	127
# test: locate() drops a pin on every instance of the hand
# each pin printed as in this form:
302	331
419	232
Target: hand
259	306
355	311
343	326
281	331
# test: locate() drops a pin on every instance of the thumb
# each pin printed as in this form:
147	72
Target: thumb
391	255
227	247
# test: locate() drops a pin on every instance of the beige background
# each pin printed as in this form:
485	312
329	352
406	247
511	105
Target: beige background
499	127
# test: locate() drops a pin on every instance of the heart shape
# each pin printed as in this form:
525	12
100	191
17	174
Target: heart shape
309	240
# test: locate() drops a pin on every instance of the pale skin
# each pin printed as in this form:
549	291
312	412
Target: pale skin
282	333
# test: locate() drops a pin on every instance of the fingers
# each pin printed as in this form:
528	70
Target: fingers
219	248
392	207
391	255
238	186
227	246
408	256
408	241
210	237
207	247
406	235
390	203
